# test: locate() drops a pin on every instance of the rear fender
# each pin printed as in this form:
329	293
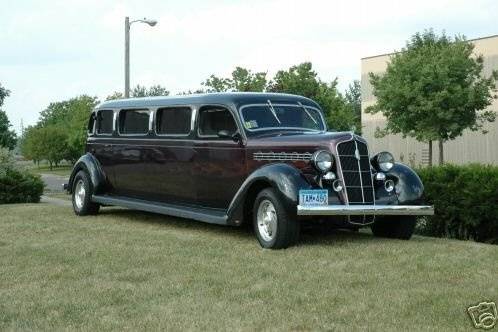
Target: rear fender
92	166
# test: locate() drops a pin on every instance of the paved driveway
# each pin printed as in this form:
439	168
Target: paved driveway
53	183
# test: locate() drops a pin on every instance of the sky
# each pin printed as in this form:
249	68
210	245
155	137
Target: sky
58	49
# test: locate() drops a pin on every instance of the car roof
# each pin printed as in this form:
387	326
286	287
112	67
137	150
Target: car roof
237	98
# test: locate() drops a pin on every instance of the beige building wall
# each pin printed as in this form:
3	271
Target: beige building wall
471	147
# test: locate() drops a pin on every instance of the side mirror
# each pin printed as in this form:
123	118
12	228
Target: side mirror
225	134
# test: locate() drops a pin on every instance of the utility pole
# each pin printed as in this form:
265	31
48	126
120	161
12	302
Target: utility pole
127	57
127	50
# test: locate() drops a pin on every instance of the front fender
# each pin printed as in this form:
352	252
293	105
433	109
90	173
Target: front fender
284	178
92	166
409	187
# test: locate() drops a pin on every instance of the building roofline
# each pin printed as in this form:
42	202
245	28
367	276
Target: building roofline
392	53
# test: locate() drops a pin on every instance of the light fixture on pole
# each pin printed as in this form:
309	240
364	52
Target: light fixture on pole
128	24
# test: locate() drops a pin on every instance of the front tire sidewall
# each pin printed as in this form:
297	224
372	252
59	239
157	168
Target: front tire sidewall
287	231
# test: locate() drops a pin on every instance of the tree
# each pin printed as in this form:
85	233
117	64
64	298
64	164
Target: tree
45	143
141	91
242	80
76	125
157	90
115	95
52	144
353	100
8	137
303	80
30	146
433	90
72	117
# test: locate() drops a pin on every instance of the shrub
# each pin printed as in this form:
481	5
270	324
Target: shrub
6	160
465	200
17	186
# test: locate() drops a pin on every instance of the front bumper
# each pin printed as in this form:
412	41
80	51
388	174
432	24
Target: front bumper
362	210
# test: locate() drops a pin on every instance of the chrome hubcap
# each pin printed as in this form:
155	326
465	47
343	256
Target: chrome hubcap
79	194
267	220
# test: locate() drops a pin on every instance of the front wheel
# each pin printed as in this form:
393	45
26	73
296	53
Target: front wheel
274	226
82	194
395	227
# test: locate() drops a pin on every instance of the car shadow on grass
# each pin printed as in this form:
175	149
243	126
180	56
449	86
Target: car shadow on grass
310	235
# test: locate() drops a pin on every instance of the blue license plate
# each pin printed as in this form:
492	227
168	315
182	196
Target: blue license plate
313	197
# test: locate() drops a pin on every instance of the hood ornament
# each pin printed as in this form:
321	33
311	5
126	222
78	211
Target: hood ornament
357	154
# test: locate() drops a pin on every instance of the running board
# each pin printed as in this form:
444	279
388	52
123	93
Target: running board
212	216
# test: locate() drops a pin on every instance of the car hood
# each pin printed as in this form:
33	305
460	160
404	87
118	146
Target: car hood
309	140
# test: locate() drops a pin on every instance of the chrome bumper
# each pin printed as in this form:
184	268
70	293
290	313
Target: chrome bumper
355	210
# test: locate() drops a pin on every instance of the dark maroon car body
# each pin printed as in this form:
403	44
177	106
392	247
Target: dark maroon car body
215	178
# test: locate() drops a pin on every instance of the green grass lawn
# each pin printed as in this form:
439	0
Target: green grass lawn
125	270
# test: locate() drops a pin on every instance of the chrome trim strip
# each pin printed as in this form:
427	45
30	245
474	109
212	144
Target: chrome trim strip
361	174
339	166
370	210
282	156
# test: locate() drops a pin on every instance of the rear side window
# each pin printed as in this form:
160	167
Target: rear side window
134	122
105	121
173	121
214	119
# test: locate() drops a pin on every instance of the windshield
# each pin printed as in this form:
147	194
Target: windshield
278	116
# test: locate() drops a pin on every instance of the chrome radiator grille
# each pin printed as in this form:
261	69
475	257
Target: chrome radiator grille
357	177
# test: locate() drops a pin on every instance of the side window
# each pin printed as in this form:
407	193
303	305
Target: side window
105	121
213	119
173	121
91	124
134	122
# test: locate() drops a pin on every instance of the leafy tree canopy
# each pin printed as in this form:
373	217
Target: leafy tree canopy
141	91
8	137
242	80
67	121
434	89
353	99
303	80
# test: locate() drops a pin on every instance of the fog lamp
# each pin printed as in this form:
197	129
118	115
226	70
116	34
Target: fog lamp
380	176
329	176
389	185
337	185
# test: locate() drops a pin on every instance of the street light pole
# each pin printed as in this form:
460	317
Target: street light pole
127	50
127	57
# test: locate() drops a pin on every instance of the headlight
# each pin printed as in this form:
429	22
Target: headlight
383	161
323	160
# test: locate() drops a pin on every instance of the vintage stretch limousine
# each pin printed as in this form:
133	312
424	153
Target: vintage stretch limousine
234	158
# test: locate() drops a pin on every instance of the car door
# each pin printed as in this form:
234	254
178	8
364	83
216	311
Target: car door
131	152
172	155
100	141
219	162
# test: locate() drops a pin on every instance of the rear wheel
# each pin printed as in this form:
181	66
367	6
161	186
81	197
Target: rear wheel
274	226
395	227
82	194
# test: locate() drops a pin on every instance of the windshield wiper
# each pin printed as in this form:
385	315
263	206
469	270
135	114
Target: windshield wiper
273	111
307	112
